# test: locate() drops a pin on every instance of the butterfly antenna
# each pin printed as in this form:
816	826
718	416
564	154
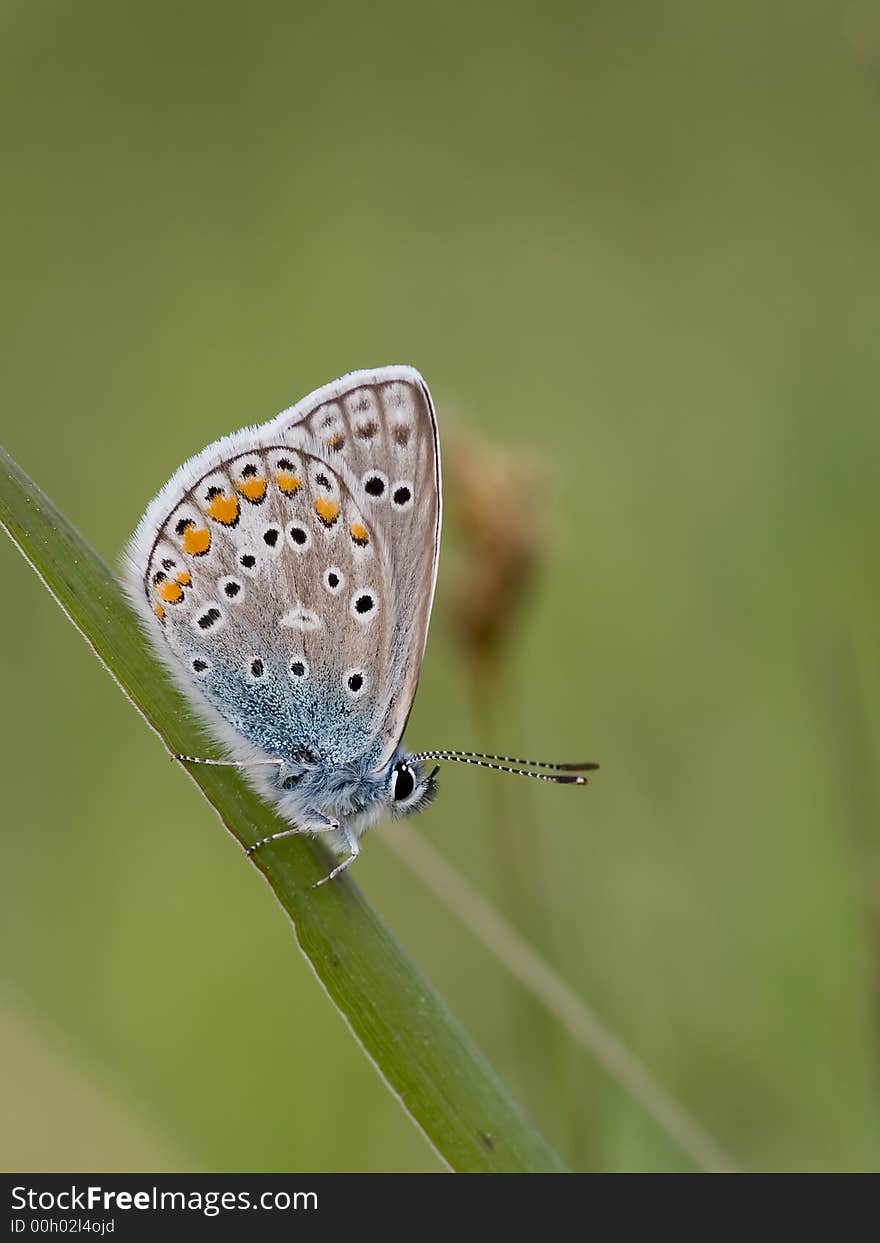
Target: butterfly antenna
584	766
557	774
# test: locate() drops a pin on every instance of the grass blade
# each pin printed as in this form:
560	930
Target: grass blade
547	986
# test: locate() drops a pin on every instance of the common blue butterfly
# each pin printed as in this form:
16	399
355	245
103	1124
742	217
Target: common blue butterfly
286	575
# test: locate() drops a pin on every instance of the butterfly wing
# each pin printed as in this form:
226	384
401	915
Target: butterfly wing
287	572
379	430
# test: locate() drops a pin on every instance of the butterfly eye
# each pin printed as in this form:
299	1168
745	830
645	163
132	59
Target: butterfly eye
404	782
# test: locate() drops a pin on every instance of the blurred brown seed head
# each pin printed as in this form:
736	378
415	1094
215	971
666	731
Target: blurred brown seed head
861	29
497	501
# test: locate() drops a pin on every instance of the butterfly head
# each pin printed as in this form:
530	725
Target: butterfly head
410	789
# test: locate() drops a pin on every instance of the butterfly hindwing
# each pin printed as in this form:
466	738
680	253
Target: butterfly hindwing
292	591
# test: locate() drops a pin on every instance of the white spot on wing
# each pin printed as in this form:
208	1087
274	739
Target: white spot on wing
328	419
355	681
402	493
362	404
298	667
208	619
375	484
364	605
232	589
299	537
300	618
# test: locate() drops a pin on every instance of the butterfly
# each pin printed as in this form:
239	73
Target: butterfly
286	575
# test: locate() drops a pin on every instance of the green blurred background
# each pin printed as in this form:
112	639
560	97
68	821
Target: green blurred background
635	245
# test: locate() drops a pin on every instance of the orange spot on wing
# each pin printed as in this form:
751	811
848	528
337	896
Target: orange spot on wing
359	534
184	578
327	511
159	611
287	482
196	540
224	509
171	593
251	489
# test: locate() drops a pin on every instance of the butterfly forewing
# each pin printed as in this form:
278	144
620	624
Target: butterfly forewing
382	437
290	569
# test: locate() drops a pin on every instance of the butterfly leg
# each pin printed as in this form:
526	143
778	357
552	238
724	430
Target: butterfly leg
354	850
324	825
194	759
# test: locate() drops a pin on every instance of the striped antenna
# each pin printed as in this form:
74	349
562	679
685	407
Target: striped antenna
558	774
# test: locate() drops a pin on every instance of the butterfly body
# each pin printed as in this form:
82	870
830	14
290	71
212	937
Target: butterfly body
311	792
285	576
